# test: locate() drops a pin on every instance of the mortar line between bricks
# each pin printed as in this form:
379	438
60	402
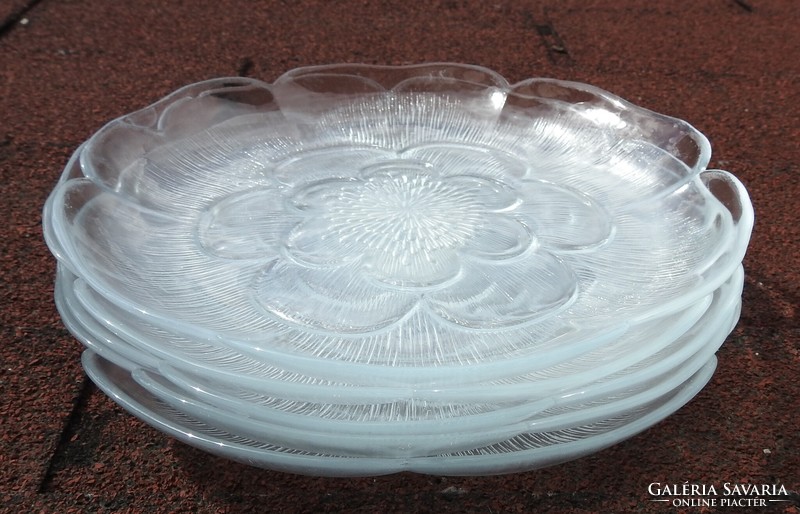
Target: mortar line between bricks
67	431
11	21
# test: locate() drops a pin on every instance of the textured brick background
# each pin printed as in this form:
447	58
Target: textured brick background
730	67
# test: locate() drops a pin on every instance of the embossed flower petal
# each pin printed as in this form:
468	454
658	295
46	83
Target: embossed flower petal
508	294
489	195
360	79
482	103
163	184
479	92
397	121
331	300
451	78
617	116
557	144
304	93
318	196
644	172
628	174
66	203
400	170
500	237
403	268
315	242
616	172
216	105
465	159
483	184
335	160
116	147
137	256
564	219
185	176
156	116
247	225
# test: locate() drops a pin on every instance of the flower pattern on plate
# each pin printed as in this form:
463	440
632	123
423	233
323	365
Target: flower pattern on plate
235	211
364	239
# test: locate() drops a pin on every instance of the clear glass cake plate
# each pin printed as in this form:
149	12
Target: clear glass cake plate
227	377
415	428
525	452
398	224
251	265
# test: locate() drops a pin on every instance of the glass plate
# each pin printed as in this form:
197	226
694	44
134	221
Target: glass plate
397	429
522	453
229	379
358	270
430	219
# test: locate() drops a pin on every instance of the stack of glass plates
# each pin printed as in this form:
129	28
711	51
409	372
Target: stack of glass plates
360	270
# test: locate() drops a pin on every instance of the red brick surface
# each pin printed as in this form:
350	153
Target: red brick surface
730	67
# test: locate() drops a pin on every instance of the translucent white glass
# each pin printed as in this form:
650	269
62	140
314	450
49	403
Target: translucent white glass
393	264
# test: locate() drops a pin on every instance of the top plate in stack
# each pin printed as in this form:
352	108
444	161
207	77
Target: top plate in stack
354	235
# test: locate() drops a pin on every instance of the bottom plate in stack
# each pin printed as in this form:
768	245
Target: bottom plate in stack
570	426
525	452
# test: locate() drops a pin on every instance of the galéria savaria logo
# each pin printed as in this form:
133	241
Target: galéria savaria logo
725	494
